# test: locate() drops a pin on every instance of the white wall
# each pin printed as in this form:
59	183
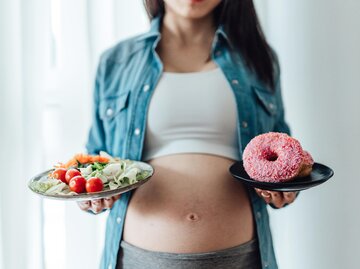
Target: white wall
318	43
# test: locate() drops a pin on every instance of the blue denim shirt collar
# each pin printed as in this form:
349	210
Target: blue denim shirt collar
154	31
155	34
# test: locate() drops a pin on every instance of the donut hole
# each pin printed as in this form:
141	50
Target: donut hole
270	156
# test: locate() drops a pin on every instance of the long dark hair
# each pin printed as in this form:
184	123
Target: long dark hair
242	26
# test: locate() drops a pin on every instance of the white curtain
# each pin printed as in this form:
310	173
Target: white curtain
19	127
49	50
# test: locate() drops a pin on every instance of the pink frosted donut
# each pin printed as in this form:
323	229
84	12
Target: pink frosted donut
308	160
307	164
273	157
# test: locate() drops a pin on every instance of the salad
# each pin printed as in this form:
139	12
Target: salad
88	174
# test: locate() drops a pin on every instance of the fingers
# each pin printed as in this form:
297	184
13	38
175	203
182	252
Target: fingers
289	197
116	197
266	195
275	198
84	205
108	202
98	205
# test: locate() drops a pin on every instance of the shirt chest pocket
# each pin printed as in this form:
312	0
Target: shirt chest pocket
114	113
266	110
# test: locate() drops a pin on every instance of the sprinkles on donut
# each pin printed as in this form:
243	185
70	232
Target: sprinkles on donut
276	157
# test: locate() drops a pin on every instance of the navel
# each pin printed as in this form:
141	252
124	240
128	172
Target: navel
192	217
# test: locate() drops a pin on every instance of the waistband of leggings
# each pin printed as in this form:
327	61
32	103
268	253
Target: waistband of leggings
242	249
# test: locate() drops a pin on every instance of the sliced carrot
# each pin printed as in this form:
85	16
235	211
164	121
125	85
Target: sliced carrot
83	159
100	159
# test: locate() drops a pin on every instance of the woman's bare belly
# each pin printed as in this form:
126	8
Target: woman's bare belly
191	204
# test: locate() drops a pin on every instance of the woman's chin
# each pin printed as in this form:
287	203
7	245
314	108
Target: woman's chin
194	14
193	9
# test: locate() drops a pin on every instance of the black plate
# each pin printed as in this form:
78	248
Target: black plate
319	174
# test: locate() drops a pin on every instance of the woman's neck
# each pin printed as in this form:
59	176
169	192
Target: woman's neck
186	31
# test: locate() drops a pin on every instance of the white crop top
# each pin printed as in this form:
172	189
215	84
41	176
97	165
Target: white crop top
192	113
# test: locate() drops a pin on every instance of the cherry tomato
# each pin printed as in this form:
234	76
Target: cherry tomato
77	184
71	173
94	184
59	174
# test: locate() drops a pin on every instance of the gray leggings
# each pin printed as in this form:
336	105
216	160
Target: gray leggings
243	256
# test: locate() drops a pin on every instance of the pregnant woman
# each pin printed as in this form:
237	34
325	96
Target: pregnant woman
187	97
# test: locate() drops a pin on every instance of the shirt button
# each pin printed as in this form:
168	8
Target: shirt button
266	264
146	88
118	220
271	106
109	112
258	214
137	131
244	124
110	266
218	53
235	82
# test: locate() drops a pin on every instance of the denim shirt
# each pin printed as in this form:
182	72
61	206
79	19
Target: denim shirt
126	77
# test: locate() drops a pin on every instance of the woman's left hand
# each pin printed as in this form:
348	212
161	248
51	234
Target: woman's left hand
275	198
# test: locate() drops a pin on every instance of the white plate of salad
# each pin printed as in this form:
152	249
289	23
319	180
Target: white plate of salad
86	177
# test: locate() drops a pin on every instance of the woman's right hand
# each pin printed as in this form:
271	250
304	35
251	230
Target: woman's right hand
98	205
